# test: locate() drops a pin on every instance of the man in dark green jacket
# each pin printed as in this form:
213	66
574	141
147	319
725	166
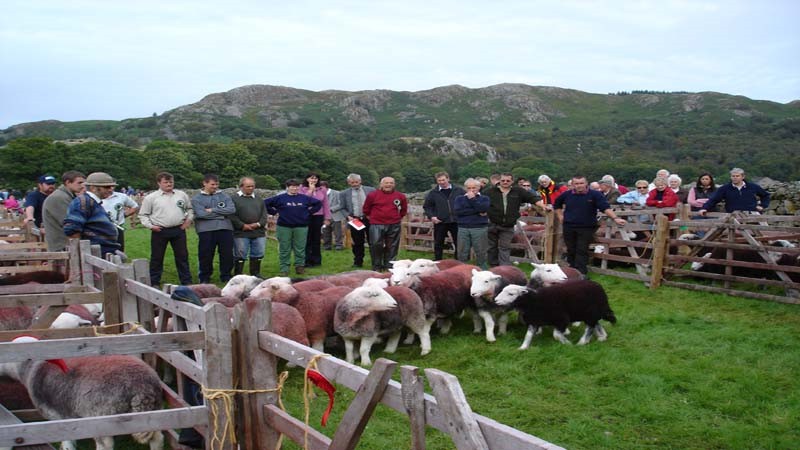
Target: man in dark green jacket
505	200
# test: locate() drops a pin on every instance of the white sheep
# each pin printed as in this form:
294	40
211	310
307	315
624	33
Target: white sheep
486	284
355	319
240	286
549	274
90	386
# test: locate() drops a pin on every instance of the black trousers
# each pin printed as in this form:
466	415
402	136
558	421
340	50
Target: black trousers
359	239
384	242
176	237
440	231
577	241
208	243
121	239
314	241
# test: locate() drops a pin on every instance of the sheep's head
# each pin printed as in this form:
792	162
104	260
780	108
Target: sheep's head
267	288
24	339
399	275
400	263
546	274
422	267
509	294
370	299
240	286
697	265
483	283
376	283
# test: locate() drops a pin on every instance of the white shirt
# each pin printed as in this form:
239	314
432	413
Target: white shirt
115	207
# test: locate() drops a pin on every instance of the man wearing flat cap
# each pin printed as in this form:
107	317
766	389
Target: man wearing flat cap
86	217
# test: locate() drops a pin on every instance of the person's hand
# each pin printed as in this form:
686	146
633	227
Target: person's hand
435	220
620	221
156	228
702	212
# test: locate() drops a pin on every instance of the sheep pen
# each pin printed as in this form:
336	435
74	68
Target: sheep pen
700	359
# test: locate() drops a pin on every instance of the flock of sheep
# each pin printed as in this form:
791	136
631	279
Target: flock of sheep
362	307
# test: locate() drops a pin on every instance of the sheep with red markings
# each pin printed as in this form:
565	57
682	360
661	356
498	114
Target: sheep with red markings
444	294
318	309
486	284
91	386
559	305
205	290
21	317
352	279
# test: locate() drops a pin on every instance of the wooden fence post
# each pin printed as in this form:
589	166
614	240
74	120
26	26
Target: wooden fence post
413	390
463	428
660	250
550	237
257	371
111	307
74	262
218	374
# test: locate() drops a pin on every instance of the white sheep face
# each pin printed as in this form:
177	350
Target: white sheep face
240	286
267	288
370	299
483	283
422	267
509	294
399	275
68	320
546	274
400	263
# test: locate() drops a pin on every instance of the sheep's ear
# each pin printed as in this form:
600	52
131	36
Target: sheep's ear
537	266
475	272
391	270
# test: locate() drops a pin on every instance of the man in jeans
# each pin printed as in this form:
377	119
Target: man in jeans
167	212
249	227
385	209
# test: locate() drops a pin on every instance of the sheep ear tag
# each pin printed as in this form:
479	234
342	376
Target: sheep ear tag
321	382
27	339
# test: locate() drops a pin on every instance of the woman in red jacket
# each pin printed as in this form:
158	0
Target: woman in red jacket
662	196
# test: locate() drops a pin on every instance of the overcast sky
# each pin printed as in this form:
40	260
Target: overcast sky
79	60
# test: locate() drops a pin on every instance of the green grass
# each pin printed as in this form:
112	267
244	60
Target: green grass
681	369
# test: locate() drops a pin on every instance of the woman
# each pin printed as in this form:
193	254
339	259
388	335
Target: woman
675	182
662	196
322	217
701	191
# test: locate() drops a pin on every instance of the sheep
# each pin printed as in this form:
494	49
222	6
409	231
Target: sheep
444	294
318	309
558	305
352	279
16	318
266	287
228	302
778	257
365	314
39	277
240	286
90	386
549	274
486	284
420	267
205	290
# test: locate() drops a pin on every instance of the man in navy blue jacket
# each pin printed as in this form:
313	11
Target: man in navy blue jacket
738	195
577	210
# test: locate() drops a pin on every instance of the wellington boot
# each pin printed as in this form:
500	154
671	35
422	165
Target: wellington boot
238	267
255	267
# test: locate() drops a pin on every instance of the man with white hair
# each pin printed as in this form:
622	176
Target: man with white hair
738	195
385	209
352	200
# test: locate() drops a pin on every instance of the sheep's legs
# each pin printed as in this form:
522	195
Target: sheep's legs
600	332
391	343
444	325
409	340
587	335
348	349
477	323
366	346
318	345
68	445
489	320
532	331
104	443
502	324
559	336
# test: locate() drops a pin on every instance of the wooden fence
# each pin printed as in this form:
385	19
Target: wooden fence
218	340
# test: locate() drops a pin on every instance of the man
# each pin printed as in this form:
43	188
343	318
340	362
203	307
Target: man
439	206
738	195
332	234
577	210
622	189
353	203
294	212
87	219
249	227
609	191
212	211
35	199
385	209
119	206
167	212
505	201
55	207
473	223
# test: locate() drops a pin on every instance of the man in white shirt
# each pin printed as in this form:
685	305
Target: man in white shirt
119	206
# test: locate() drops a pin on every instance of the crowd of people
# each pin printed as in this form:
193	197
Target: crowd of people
478	216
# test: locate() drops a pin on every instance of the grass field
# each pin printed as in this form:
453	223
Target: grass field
681	369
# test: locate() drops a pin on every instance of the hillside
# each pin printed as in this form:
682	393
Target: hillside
544	129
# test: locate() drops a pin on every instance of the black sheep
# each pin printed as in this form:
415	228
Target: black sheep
558	306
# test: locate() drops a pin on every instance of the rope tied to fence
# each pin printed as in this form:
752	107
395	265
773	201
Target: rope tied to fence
226	396
133	327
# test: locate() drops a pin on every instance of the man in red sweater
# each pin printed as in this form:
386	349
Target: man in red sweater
385	209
